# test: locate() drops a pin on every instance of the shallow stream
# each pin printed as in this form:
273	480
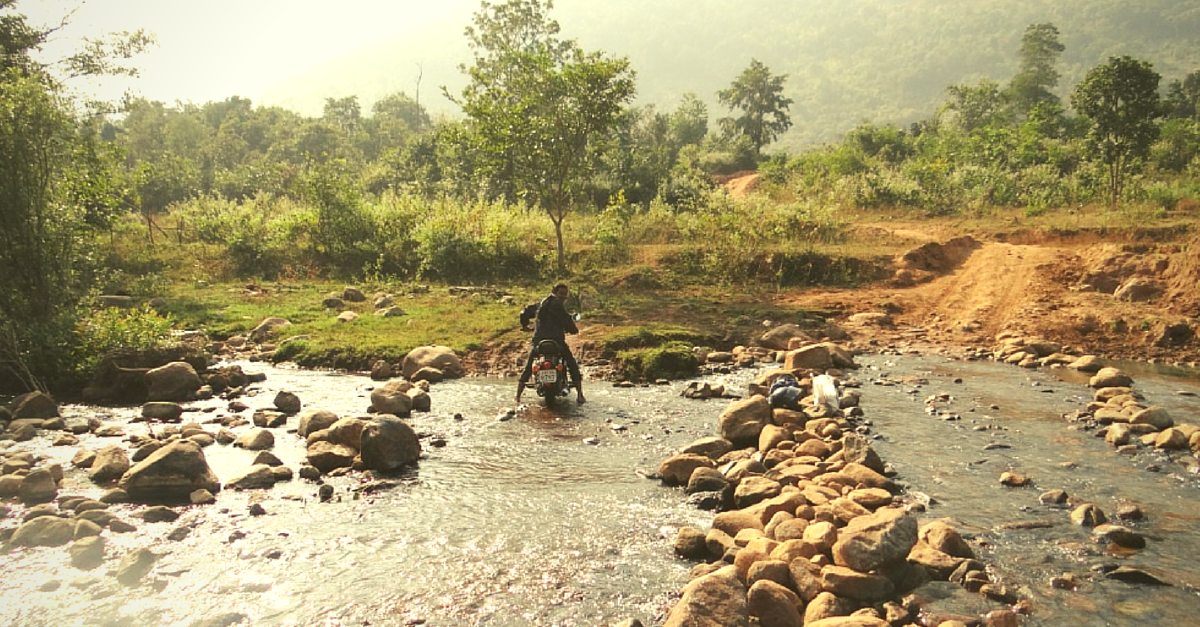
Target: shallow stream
544	519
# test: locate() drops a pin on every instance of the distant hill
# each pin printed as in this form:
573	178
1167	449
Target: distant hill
847	61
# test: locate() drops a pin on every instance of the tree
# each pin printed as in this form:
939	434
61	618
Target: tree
1036	76
535	104
689	122
764	108
1183	98
54	194
1120	100
976	106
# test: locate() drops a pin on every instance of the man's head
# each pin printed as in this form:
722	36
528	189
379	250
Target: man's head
560	290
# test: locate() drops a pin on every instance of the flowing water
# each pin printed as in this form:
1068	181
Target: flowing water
544	519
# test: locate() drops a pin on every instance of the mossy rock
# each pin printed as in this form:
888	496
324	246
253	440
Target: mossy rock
673	360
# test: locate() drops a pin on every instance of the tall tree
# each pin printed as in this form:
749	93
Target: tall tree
54	193
1036	75
1120	100
535	105
759	95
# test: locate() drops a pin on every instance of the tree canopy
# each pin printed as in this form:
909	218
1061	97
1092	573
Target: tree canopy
759	95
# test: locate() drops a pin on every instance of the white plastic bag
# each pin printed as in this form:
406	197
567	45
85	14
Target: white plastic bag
825	391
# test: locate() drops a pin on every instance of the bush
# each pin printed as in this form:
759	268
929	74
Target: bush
112	329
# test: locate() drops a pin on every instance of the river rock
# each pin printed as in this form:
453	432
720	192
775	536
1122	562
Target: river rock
1088	515
37	405
827	605
711	447
743	421
38	487
392	398
87	553
860	475
1110	378
388	443
824	536
939	564
691	543
44	531
868	542
1133	574
432	375
162	411
941	536
347	317
859	586
734	521
258	477
171	473
1156	417
716	600
1087	363
346	432
753	490
381	370
1015	480
1121	536
705	478
86	529
678	470
287	402
439	357
773	604
135	565
420	399
176	381
327	456
202	497
111	462
312	420
1118	434
256	440
1171	440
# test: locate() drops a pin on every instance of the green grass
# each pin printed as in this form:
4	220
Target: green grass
462	322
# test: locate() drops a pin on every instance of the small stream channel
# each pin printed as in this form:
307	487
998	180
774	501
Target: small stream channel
544	519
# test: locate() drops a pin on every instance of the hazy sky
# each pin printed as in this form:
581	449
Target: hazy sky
215	49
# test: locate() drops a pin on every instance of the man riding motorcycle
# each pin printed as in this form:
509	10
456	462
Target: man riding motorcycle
553	323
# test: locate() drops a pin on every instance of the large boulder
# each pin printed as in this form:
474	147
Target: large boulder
44	531
743	421
1110	378
714	600
678	469
868	542
387	444
170	474
1156	417
176	381
327	456
439	357
256	440
823	356
346	432
313	420
33	405
38	486
392	398
258	477
111	463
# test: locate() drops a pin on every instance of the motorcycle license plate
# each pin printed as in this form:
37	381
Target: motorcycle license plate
547	376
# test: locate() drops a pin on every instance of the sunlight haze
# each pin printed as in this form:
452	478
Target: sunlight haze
221	48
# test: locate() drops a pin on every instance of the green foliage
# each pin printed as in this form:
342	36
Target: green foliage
536	104
1036	77
759	95
112	329
1120	98
673	360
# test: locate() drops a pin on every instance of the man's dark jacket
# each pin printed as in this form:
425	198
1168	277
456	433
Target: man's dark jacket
553	321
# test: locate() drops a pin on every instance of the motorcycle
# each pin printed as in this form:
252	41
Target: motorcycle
549	372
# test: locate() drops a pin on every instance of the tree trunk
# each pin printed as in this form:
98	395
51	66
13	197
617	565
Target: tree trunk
562	257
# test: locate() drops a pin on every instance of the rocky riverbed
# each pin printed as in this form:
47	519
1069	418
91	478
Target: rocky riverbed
431	542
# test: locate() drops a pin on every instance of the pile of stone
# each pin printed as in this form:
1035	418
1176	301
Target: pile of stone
1128	423
810	530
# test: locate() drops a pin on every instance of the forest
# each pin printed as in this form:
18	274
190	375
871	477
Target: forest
550	168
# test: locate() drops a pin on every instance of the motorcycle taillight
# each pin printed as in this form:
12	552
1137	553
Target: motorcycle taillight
546	365
558	367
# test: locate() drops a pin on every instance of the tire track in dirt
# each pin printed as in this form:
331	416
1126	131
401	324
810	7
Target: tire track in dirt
1000	287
